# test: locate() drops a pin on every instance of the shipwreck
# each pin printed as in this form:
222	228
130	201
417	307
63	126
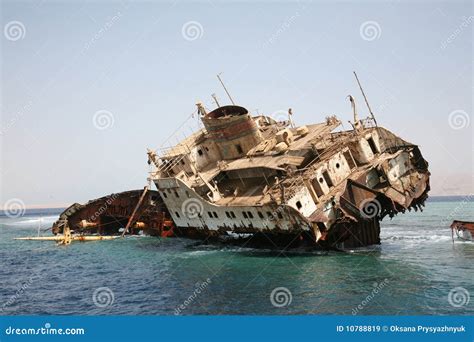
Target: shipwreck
269	182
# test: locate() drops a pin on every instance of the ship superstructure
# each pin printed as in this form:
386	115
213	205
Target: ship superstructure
315	183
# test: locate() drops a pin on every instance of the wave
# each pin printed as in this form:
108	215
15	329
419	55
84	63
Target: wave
418	239
39	219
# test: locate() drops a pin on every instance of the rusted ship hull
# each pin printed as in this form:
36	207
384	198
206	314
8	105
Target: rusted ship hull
464	230
109	215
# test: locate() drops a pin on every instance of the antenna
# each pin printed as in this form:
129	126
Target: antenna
220	80
365	98
215	99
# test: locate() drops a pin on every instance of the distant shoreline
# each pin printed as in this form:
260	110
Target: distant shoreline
56	211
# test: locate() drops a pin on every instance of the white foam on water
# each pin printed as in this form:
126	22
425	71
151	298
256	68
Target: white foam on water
37	219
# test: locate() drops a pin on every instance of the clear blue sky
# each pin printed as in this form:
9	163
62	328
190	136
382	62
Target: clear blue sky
132	59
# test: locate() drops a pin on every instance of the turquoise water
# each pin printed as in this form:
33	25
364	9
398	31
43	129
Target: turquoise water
413	272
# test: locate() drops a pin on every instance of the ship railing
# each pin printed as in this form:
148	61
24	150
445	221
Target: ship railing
188	127
294	183
179	153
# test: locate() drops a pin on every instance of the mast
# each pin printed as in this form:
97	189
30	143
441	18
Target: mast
220	80
215	100
365	98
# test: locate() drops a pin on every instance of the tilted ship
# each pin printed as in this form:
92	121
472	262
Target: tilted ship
318	184
268	183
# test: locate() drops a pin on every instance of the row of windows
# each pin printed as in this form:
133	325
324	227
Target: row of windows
245	214
175	193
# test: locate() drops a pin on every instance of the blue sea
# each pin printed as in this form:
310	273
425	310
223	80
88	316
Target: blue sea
417	269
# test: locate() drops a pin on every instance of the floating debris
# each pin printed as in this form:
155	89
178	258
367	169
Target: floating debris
464	230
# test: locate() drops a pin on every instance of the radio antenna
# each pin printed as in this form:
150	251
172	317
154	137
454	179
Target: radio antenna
365	98
223	86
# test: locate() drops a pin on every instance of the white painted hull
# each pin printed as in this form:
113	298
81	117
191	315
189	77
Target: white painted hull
188	209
